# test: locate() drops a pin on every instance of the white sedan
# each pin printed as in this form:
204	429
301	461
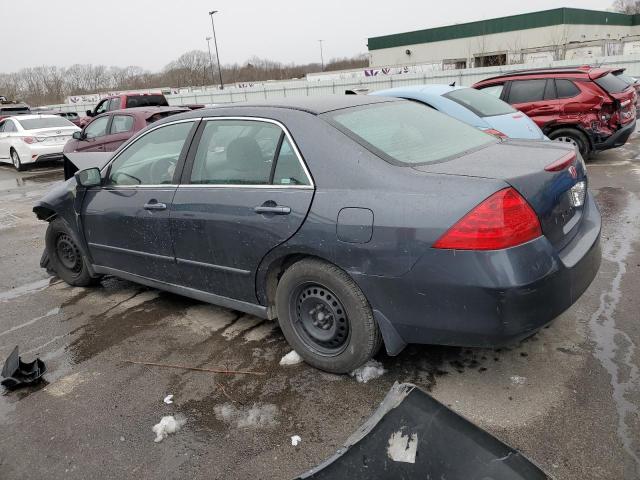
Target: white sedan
26	139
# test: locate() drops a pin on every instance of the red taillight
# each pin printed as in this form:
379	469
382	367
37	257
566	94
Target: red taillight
29	140
503	220
495	133
562	163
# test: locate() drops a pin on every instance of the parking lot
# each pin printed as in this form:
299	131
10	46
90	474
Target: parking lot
567	397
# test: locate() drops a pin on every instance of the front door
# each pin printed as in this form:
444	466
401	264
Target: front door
93	135
126	221
245	190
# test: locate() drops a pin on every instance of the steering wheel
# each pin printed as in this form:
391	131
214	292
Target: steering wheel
162	170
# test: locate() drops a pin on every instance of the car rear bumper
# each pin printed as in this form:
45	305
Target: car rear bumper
486	298
40	153
618	139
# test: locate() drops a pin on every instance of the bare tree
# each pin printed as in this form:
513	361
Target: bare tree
630	7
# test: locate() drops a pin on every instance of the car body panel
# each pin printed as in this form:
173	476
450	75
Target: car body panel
513	125
417	293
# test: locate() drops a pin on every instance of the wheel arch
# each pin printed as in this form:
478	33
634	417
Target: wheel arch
548	129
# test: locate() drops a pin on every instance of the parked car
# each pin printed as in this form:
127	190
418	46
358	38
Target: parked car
123	101
10	108
108	131
28	139
475	108
587	107
73	117
352	219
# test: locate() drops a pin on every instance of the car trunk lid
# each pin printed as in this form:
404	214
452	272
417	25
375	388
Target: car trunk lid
521	164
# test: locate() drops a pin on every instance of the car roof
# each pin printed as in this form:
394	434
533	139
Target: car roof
148	109
32	117
584	70
314	105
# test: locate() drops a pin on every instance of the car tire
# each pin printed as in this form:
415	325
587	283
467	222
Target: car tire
15	159
574	137
325	317
65	255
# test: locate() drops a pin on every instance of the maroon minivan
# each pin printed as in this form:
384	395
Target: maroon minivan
106	132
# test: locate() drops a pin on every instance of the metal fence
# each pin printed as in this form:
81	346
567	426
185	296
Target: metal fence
303	88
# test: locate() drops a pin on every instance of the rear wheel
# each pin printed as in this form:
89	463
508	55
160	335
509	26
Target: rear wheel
325	317
572	137
65	256
15	159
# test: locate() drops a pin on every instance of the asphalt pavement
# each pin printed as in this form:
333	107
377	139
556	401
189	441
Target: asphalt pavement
568	398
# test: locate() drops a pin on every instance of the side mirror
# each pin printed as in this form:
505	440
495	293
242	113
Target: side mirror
89	113
88	178
77	135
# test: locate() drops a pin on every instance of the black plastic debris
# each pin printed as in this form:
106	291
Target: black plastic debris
17	373
413	436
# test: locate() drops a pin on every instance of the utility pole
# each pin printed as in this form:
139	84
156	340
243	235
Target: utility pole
215	42
321	56
213	78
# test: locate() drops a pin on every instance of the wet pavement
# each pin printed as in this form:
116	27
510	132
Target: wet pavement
569	397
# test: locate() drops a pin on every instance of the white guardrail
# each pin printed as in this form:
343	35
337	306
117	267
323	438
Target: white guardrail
303	88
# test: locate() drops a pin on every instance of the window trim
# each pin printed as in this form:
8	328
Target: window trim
167	186
186	172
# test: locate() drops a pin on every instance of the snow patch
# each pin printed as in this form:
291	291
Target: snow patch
168	399
257	416
295	440
167	425
241	325
291	358
402	448
518	380
370	370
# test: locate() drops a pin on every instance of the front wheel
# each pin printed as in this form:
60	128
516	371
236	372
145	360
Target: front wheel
15	159
572	137
65	256
325	317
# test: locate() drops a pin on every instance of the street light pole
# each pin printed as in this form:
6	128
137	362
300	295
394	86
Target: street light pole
321	56
213	79
215	42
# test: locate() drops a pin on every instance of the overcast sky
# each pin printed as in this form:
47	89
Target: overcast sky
151	33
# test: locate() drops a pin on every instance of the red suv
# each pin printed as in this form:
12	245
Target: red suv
586	106
125	100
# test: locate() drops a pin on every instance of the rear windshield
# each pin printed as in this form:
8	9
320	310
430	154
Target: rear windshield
15	110
160	115
147	101
49	122
407	133
480	103
611	84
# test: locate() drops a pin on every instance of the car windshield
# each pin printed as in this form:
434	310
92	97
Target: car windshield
46	122
611	84
408	133
480	103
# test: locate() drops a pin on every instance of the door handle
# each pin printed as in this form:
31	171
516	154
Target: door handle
275	210
155	206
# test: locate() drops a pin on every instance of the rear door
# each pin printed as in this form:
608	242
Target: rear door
120	130
126	221
536	98
245	190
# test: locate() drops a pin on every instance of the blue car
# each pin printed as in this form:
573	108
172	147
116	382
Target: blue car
473	107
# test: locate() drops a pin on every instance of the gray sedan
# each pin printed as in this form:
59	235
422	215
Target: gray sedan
355	221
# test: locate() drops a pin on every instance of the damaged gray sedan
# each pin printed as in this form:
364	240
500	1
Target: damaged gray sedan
355	221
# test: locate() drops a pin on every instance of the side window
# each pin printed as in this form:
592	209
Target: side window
114	104
152	159
102	106
121	123
10	127
524	91
97	128
566	89
495	90
235	152
288	169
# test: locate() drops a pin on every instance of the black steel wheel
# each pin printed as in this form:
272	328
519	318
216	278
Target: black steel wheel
66	257
319	318
325	316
